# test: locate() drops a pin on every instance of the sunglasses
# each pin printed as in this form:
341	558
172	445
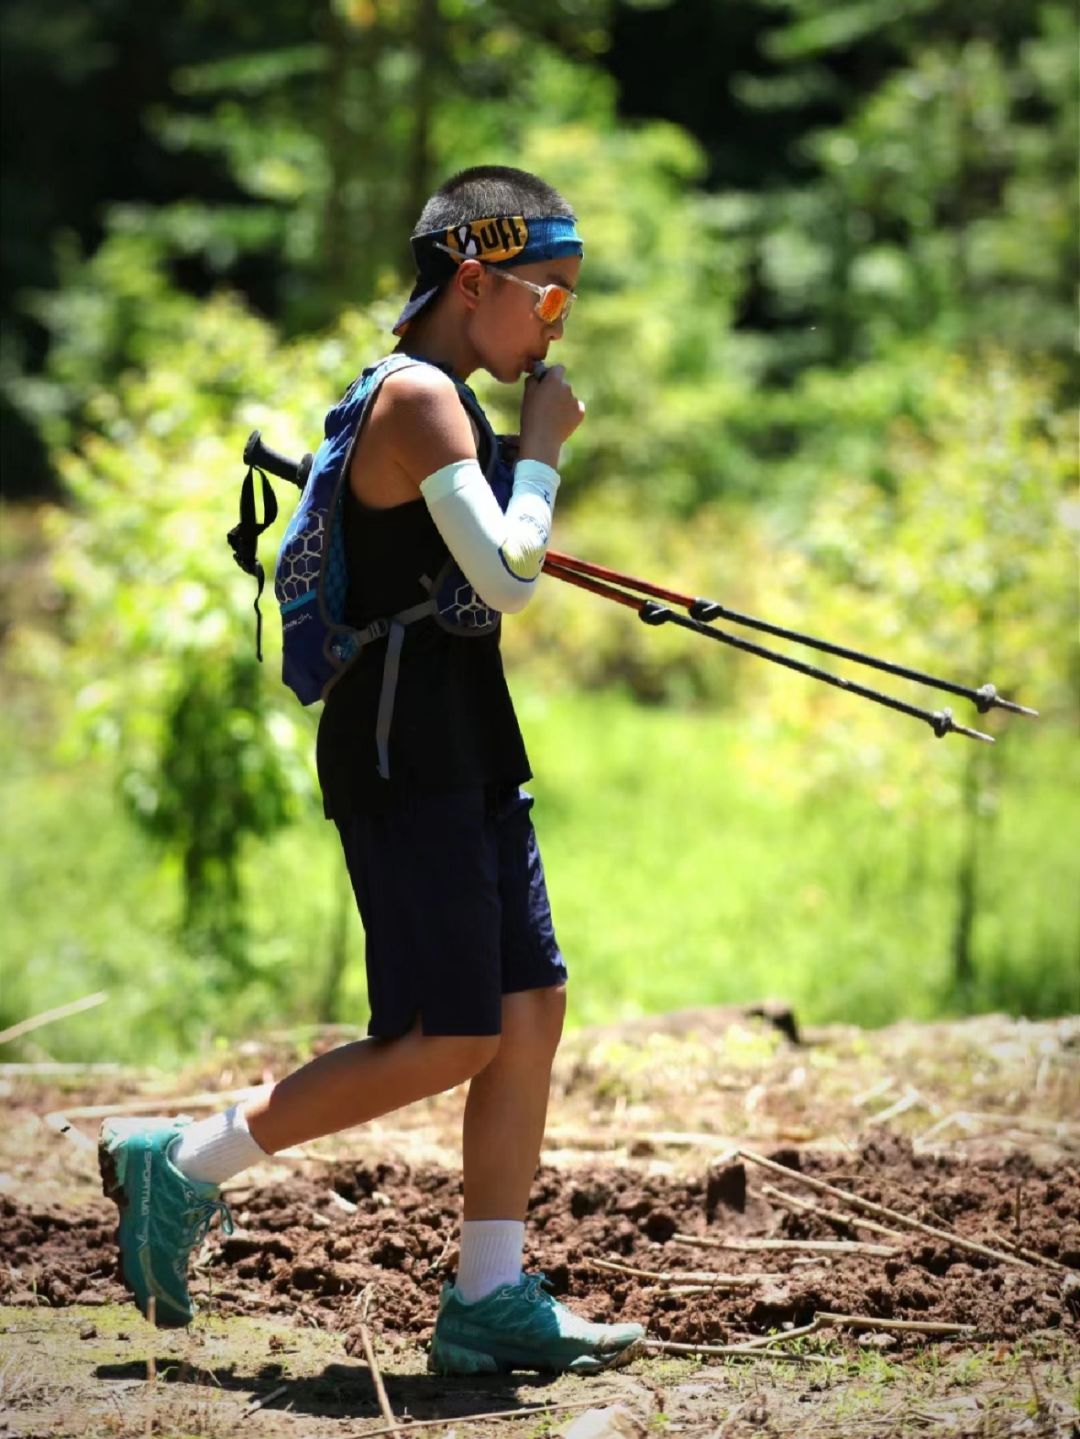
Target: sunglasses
554	302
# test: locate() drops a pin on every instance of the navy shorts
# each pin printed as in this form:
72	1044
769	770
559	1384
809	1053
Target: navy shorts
455	909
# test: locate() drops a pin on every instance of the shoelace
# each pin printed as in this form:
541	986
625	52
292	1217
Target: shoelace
535	1284
201	1214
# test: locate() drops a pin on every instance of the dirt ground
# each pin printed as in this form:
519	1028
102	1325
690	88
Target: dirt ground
647	1206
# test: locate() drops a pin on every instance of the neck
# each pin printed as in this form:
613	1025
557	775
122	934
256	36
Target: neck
438	337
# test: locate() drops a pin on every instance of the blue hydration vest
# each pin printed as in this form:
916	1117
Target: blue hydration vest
311	578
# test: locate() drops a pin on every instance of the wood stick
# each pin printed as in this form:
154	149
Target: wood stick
266	1399
376	1375
377	1380
908	1100
880	1211
763	1340
63	1126
867	1321
1042	1261
525	1412
163	1104
13	1069
151	1365
733	1351
682	1276
794	1246
48	1016
852	1221
874	1092
1033	1124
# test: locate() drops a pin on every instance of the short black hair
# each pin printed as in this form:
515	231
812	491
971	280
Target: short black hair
487	190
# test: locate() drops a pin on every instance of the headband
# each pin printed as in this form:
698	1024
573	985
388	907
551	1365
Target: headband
504	240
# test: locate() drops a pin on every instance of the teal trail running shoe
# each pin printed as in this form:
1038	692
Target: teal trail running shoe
163	1215
520	1326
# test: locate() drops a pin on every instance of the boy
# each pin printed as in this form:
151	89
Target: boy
420	761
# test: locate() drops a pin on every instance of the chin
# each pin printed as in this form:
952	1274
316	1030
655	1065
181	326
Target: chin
506	372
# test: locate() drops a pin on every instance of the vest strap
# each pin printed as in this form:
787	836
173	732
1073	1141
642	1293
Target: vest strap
395	630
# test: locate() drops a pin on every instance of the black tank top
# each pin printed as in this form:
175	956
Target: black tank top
454	723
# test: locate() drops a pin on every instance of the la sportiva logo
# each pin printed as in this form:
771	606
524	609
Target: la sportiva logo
500	238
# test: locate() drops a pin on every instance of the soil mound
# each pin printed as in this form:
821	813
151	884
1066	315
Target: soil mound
313	1246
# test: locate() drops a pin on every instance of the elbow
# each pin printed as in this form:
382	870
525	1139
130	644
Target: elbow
508	594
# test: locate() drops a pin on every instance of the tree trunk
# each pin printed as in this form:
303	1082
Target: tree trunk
980	770
427	43
967	881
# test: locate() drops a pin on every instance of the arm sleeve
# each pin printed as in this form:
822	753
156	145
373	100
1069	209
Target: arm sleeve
500	554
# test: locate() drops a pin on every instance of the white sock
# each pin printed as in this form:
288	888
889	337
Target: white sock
213	1150
491	1251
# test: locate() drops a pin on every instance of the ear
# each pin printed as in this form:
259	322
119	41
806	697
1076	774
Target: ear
469	282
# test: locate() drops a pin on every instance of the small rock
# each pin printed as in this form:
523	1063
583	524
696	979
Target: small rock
660	1225
876	1341
614	1423
88	1331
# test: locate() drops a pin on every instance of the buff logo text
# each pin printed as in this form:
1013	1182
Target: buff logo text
500	238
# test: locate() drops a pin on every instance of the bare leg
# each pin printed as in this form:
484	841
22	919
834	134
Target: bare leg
360	1081
507	1106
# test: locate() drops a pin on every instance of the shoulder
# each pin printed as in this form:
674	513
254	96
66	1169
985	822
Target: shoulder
420	415
417	388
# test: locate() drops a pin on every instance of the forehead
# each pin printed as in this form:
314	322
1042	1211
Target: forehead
564	271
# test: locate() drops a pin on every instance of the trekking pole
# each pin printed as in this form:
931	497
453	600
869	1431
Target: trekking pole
940	721
260	456
590	577
985	697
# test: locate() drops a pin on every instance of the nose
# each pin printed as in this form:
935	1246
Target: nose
555	331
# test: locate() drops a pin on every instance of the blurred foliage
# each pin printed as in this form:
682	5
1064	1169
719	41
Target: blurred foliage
677	877
832	392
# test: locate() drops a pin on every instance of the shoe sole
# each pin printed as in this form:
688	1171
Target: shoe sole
112	1186
449	1359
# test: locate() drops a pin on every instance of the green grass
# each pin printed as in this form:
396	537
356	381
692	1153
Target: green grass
676	879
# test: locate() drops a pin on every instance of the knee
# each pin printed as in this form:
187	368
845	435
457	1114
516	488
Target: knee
459	1057
533	1022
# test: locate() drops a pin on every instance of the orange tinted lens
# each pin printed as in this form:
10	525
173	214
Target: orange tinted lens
554	304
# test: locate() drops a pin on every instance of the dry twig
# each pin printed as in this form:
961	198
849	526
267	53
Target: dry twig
525	1412
908	1100
867	1321
373	1364
795	1246
763	1340
47	1016
151	1366
159	1104
880	1211
266	1399
733	1351
704	1277
849	1221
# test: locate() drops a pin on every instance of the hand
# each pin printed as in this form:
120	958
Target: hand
550	413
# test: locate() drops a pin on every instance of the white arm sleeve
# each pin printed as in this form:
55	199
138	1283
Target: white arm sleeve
501	555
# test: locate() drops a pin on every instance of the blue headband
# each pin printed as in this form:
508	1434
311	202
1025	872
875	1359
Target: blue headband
504	240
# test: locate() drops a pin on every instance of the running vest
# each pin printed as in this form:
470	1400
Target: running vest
411	629
311	578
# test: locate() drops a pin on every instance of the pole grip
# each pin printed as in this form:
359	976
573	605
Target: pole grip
262	457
